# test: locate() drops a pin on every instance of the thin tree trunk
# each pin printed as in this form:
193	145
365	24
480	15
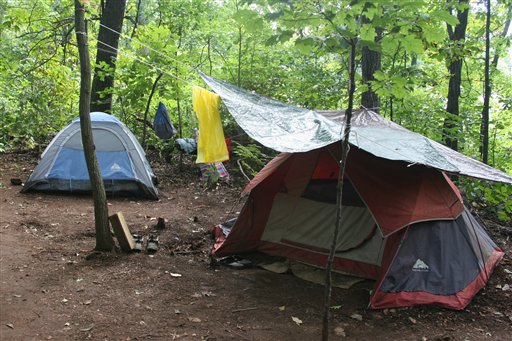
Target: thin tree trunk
457	36
239	66
484	127
178	96
239	69
144	128
104	241
137	18
339	191
503	34
108	42
210	56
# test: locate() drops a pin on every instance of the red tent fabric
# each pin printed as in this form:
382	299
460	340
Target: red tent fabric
403	225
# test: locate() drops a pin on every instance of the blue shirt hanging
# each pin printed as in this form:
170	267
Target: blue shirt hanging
162	124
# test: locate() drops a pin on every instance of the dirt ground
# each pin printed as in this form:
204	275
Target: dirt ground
53	288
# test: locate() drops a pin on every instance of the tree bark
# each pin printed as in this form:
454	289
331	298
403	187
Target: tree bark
104	241
339	191
370	62
457	36
108	42
484	126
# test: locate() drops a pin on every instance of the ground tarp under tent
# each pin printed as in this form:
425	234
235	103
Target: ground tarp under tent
123	164
404	223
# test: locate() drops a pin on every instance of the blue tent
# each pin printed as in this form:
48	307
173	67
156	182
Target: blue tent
123	164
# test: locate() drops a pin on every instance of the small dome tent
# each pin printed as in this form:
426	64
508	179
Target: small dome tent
123	164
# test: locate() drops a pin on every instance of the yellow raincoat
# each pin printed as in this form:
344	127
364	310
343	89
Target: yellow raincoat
211	144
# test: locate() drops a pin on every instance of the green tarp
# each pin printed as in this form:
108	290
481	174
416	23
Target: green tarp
290	129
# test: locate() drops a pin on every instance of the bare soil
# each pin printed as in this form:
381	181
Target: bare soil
52	287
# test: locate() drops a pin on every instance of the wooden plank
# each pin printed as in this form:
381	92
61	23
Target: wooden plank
122	232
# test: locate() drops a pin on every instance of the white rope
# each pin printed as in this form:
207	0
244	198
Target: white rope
118	51
148	47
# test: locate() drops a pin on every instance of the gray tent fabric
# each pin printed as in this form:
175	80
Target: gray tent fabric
425	261
123	164
290	129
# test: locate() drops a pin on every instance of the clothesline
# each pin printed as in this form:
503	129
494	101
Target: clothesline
118	51
148	47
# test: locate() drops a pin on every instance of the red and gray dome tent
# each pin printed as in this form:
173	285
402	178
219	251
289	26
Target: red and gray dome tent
123	164
403	220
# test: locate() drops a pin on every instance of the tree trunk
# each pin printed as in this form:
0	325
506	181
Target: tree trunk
370	62
239	66
148	104
503	34
484	127
137	19
108	41
104	241
339	191
451	124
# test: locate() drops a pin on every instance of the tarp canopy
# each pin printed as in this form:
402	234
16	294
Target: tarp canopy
290	129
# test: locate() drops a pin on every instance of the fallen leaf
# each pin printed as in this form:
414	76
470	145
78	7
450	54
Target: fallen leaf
10	325
87	302
282	308
339	331
297	320
194	319
358	317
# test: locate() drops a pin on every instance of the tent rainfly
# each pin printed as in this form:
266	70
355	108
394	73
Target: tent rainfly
123	164
404	223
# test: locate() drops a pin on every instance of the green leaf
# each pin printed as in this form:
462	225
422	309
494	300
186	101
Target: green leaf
445	16
412	44
368	32
305	45
434	34
371	45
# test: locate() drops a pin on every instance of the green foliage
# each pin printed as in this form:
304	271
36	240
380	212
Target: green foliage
250	157
293	51
490	199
